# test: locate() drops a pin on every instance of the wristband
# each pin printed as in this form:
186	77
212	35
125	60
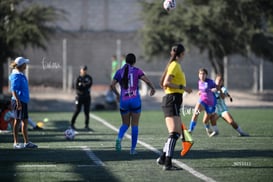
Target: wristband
181	87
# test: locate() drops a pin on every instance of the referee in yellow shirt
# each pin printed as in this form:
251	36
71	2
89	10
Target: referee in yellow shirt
173	82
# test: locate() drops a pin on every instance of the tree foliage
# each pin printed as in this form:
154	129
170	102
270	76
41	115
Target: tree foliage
220	27
23	24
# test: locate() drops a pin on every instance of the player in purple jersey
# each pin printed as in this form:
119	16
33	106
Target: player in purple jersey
207	100
222	109
129	98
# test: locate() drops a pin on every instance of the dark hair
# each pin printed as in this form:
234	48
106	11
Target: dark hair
130	60
178	49
84	67
204	70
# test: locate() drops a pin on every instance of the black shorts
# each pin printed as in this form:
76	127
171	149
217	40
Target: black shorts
19	114
171	104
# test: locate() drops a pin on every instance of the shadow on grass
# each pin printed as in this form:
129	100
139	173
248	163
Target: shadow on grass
54	164
55	133
202	154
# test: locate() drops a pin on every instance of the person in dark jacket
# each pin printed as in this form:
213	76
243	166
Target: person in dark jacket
83	87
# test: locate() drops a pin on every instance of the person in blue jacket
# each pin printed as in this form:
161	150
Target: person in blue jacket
19	101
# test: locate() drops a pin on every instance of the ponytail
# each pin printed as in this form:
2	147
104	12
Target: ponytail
130	61
165	70
124	80
177	49
13	65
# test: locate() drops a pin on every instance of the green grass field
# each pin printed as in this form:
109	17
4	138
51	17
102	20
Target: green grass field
92	157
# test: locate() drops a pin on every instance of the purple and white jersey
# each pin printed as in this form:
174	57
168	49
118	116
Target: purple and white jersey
206	95
134	74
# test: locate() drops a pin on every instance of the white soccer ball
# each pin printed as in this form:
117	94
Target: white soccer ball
69	134
169	5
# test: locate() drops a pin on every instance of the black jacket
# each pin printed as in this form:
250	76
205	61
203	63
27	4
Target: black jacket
83	85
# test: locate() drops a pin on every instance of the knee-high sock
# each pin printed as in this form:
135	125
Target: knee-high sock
165	146
192	125
170	145
122	130
134	137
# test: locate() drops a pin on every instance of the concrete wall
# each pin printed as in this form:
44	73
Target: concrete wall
97	15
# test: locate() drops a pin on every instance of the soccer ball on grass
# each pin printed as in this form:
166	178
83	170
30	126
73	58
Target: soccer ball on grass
69	134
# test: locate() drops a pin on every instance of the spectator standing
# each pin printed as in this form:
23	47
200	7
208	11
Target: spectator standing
83	98
19	101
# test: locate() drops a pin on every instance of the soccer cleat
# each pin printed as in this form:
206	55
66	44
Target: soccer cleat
133	152
30	145
171	168
18	146
118	145
214	133
186	146
208	131
160	161
87	128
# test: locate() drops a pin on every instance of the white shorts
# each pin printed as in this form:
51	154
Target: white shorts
221	108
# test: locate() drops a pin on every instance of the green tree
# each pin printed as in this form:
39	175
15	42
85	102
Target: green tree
220	27
23	24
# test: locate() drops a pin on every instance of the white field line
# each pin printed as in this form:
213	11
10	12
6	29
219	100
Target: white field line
36	165
178	163
49	165
92	156
87	150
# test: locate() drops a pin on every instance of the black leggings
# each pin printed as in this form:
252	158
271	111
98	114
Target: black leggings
85	101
